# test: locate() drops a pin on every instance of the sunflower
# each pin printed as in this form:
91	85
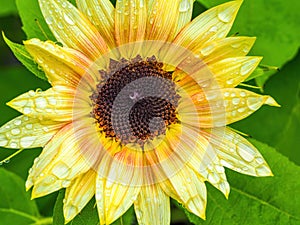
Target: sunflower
139	106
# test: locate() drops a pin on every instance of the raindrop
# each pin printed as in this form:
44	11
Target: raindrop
225	17
61	170
184	5
26	142
15	131
17	122
236	45
69	20
41	102
247	155
253	103
207	50
27	110
49	20
247	67
236	101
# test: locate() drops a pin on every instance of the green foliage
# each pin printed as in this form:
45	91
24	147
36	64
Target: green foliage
25	58
274	23
34	24
7	8
15	205
268	201
89	214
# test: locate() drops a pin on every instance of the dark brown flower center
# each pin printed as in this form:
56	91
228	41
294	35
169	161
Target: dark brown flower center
135	101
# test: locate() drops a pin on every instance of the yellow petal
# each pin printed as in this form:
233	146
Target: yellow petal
72	28
63	66
25	132
188	189
101	15
225	48
232	71
130	19
185	14
161	25
54	104
220	107
236	153
152	206
61	161
205	162
78	194
113	199
213	24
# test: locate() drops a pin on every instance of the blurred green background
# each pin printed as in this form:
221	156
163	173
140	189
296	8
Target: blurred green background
275	23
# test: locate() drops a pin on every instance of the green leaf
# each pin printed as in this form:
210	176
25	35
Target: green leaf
274	24
89	215
257	200
25	58
281	125
262	71
34	24
15	205
7	8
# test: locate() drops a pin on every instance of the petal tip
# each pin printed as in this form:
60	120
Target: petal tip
271	101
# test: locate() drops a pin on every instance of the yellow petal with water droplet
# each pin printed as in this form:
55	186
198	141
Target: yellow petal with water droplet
101	15
206	163
152	206
213	24
228	105
219	49
54	104
188	189
25	132
114	199
72	28
161	25
236	153
185	15
130	25
61	161
63	66
78	194
230	72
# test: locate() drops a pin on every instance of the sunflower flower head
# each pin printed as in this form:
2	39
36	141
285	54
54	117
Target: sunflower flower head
139	106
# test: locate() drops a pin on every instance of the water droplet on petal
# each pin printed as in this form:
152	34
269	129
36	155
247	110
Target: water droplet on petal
15	131
61	170
207	50
253	103
247	67
247	155
49	20
184	5
41	102
26	142
68	19
225	15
